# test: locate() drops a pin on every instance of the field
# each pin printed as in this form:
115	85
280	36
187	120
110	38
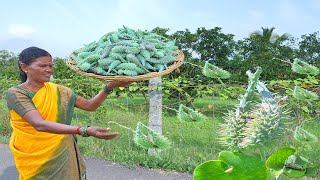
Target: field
192	143
215	74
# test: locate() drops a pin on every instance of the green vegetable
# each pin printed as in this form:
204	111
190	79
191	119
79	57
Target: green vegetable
149	52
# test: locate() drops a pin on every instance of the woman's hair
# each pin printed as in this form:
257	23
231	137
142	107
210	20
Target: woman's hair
27	56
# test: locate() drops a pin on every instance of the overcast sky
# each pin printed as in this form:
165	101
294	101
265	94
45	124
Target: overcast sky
60	26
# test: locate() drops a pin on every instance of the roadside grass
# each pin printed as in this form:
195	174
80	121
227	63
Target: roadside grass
5	129
192	143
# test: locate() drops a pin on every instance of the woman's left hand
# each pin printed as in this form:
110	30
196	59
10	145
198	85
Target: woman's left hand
101	133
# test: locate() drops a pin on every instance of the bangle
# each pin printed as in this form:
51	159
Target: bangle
83	131
106	90
78	130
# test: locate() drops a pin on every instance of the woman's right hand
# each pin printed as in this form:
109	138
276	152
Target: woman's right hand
101	133
113	84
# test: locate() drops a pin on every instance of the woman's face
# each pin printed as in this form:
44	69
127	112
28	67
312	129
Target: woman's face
40	70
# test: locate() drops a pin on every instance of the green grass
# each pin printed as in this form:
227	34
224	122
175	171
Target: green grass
192	143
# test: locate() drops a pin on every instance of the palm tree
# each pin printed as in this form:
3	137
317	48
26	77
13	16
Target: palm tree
261	49
267	36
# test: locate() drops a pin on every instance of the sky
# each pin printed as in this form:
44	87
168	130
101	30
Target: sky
61	26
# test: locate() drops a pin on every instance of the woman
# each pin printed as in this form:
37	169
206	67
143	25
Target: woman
43	141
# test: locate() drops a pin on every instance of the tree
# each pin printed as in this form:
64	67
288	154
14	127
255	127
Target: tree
186	41
161	31
309	48
6	55
262	48
8	65
267	36
9	71
214	46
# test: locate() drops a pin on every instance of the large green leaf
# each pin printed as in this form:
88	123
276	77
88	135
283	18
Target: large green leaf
214	169
232	166
304	136
303	94
293	173
147	138
303	67
312	171
189	115
244	166
213	71
277	160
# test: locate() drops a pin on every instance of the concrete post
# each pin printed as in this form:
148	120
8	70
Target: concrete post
155	109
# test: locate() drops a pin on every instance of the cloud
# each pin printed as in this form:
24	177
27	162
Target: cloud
256	15
17	44
288	10
142	13
66	11
316	4
21	30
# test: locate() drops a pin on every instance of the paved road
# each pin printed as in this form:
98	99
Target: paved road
97	170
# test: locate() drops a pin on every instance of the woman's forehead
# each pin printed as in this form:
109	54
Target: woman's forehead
43	59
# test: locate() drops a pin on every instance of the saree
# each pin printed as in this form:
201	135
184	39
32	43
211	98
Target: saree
42	155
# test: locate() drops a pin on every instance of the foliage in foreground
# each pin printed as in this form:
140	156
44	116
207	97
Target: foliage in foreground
260	127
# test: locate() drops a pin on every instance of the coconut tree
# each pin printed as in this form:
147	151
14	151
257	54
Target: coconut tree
261	48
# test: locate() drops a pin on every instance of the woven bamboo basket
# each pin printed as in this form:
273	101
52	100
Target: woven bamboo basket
177	63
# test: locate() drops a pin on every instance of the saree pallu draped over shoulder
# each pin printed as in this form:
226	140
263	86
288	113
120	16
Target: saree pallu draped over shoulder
41	155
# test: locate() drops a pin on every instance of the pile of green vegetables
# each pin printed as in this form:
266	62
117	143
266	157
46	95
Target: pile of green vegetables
126	52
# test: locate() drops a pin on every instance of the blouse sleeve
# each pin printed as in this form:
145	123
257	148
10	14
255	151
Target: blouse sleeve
19	101
75	95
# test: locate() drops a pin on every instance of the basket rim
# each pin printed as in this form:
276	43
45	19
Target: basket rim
177	63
